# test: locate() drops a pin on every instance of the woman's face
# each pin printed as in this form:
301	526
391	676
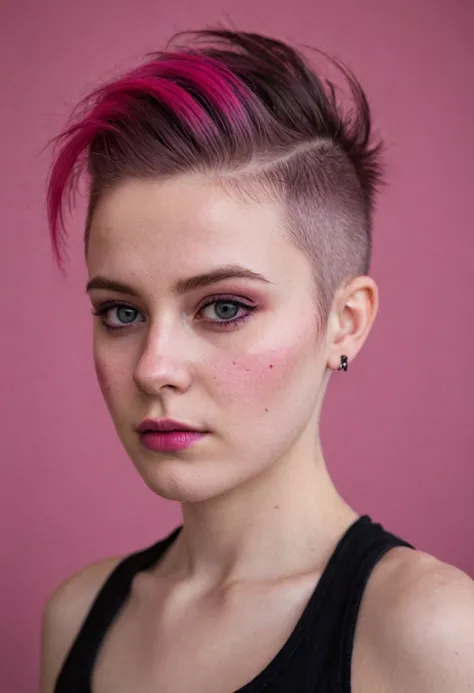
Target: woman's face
241	358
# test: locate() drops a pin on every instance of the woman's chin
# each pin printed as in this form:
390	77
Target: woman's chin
183	481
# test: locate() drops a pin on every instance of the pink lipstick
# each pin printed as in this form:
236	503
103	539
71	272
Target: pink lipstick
164	435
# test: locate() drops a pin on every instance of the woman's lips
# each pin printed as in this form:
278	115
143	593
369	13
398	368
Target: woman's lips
165	441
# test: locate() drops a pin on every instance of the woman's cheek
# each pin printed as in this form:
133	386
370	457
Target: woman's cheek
112	363
106	377
259	377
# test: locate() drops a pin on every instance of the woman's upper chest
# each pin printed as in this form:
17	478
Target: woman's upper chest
174	641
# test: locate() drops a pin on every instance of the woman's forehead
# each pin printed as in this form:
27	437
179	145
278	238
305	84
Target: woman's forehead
187	223
184	203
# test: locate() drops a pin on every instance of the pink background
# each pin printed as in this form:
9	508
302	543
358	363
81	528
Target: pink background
398	428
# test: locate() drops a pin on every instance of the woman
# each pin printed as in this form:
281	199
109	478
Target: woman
228	244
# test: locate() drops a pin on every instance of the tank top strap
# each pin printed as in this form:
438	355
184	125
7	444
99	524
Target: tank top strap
366	546
321	646
75	675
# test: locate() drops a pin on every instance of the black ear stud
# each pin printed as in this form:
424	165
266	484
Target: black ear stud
344	364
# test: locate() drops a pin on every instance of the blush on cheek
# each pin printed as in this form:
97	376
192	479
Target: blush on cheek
258	376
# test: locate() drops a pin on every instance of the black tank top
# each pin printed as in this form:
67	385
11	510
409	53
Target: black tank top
316	658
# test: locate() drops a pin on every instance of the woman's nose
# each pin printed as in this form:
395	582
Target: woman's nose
162	362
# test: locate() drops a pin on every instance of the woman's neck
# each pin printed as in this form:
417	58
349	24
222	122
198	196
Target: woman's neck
285	521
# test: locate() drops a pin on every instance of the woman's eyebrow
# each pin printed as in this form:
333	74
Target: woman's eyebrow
183	286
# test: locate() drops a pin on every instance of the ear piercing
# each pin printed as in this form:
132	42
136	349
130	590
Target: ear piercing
344	364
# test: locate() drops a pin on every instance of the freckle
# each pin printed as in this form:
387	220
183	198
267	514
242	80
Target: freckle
277	507
266	409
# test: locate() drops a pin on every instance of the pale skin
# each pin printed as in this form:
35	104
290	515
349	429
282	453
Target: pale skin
261	515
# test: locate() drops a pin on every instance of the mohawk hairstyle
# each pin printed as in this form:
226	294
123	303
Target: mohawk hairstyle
250	112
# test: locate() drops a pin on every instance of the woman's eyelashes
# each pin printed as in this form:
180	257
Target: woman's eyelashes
223	312
226	308
124	313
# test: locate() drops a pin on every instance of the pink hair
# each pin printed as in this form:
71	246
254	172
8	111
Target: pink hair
245	107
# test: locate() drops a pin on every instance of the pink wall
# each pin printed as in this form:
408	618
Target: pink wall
398	429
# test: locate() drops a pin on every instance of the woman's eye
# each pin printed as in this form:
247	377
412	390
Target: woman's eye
226	312
117	316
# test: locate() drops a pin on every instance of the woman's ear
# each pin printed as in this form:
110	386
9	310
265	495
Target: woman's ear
350	321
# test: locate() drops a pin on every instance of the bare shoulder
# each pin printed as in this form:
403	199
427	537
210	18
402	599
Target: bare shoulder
416	627
64	614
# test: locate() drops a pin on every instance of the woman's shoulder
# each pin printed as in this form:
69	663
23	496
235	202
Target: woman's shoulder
416	625
64	614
